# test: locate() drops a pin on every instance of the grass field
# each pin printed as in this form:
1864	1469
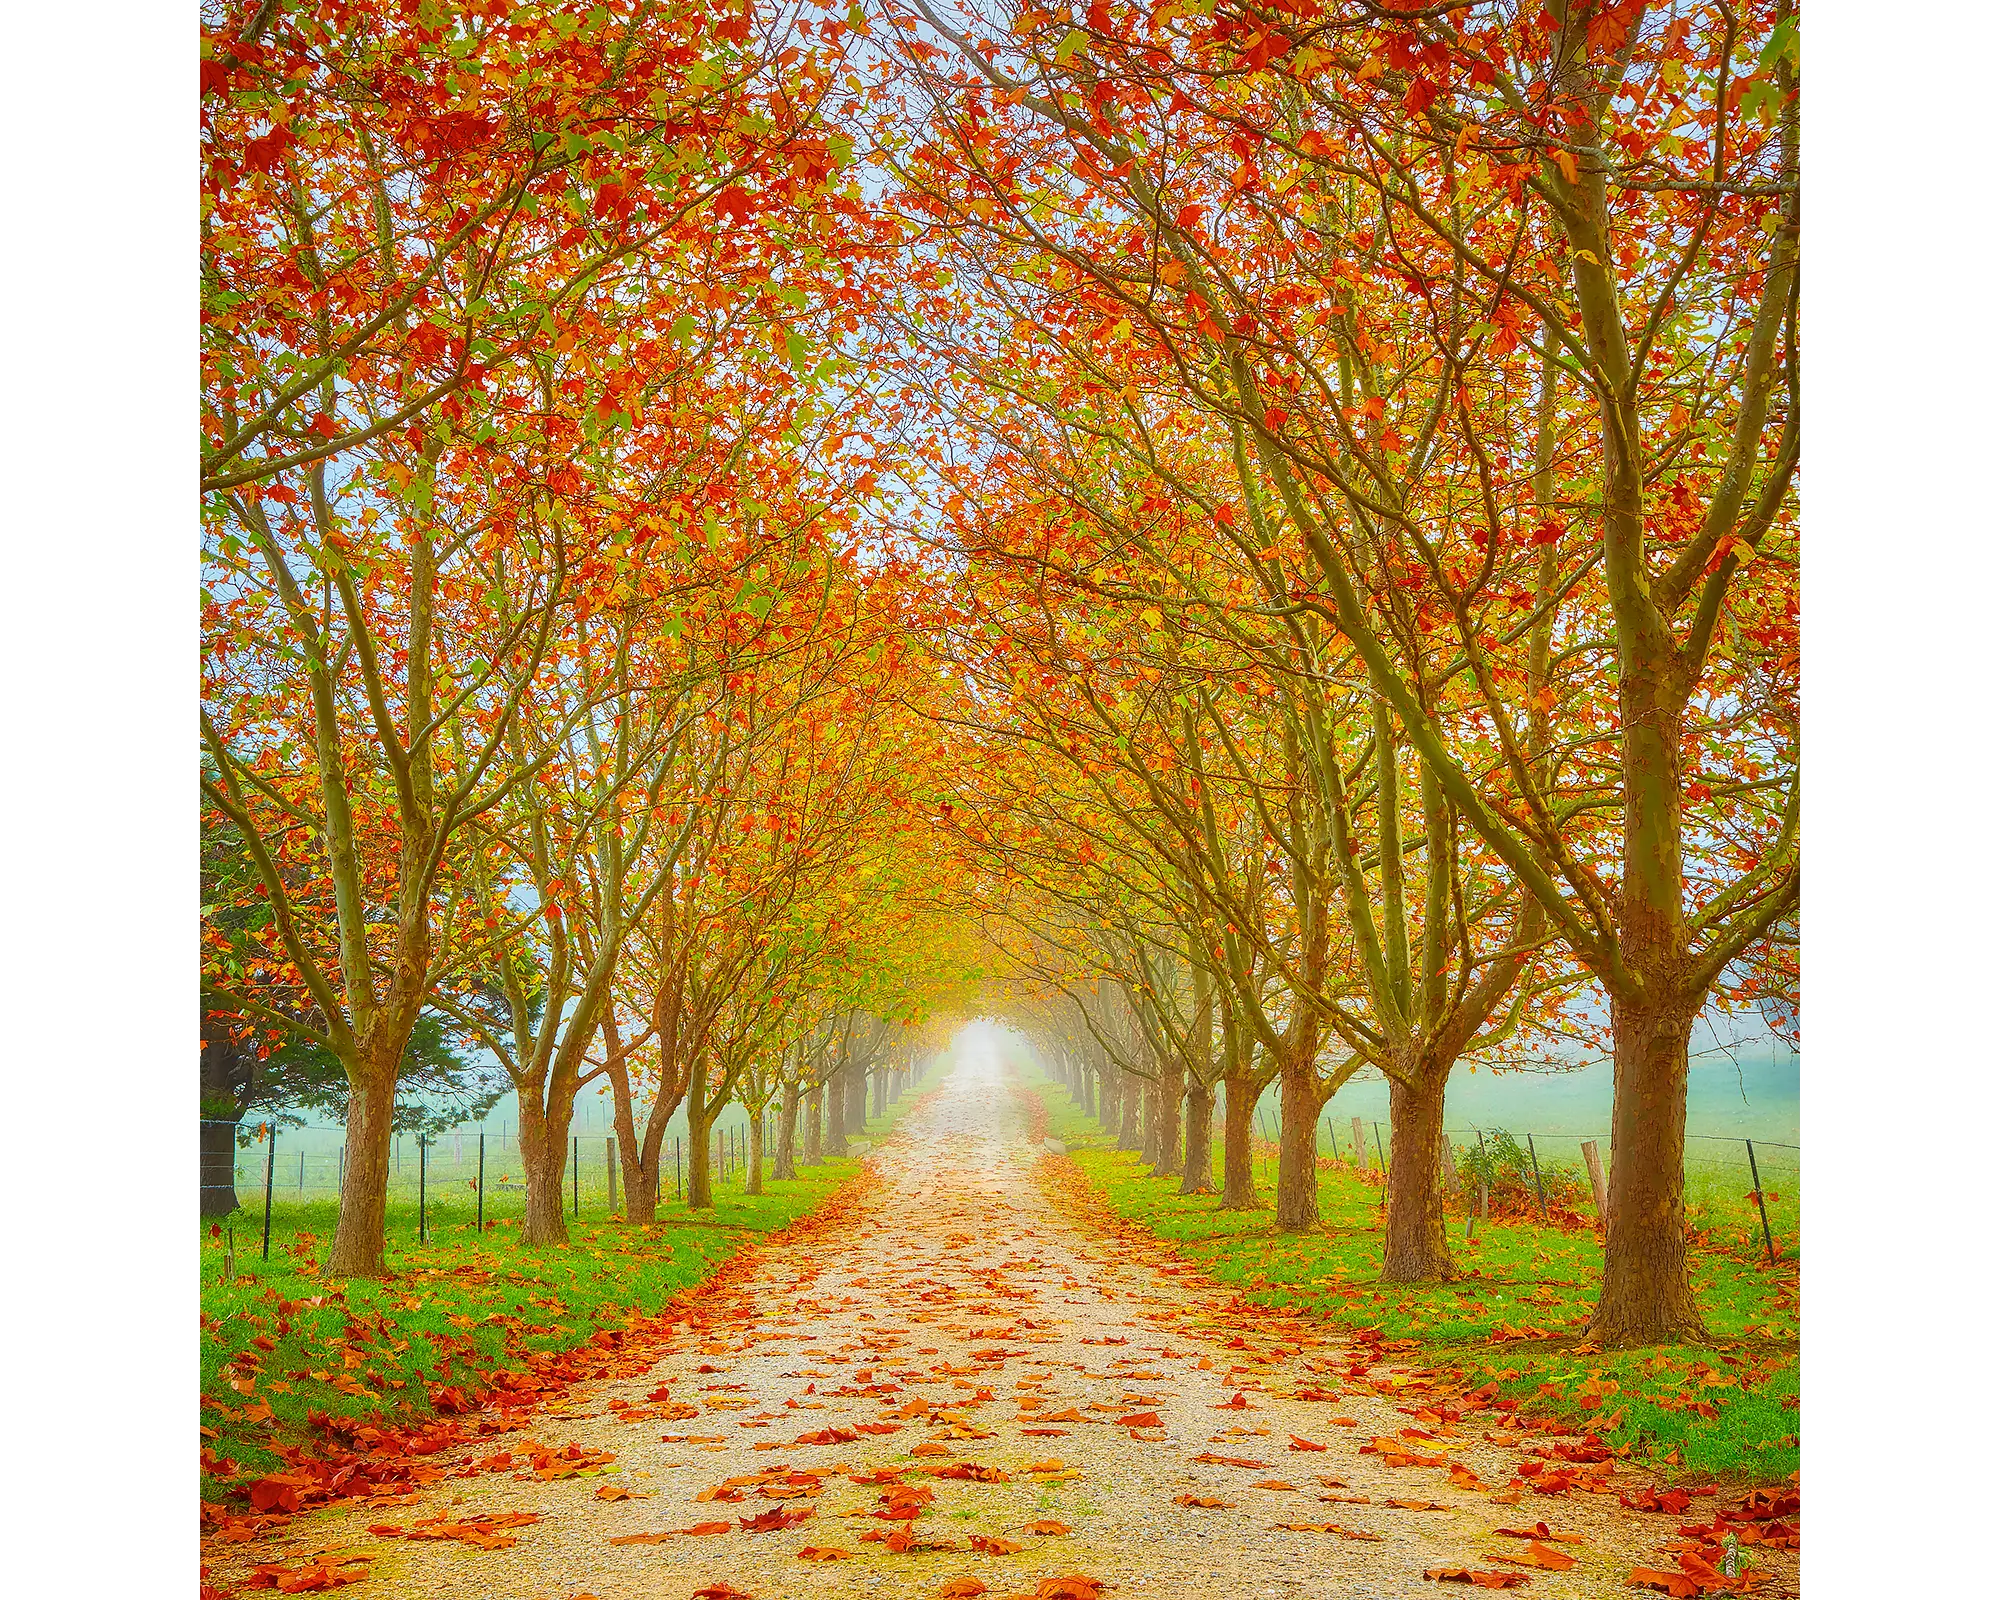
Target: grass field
1724	1411
279	1342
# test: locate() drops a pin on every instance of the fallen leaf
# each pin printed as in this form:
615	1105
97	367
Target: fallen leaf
702	1530
1481	1580
962	1589
1672	1583
1305	1444
772	1521
986	1544
825	1552
1047	1529
1542	1531
1540	1555
1207	1502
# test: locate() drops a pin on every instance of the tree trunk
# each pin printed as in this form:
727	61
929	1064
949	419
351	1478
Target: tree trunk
1646	1297
881	1091
857	1101
639	1190
1298	1148
836	1116
544	1160
1128	1110
218	1167
1149	1123
1198	1163
701	1123
1166	1161
1089	1092
815	1126
753	1178
1417	1248
1110	1085
786	1164
1239	1183
359	1236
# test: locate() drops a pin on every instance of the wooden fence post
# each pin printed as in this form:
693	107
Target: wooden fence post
1360	1147
611	1172
1596	1174
1446	1161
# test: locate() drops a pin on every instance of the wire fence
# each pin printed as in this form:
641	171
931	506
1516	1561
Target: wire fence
471	1175
1726	1179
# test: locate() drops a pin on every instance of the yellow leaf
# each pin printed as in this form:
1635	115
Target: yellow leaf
1567	162
1585	255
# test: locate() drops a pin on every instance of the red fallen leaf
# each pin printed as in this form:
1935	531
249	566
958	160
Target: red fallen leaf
1235	1402
722	1591
661	1393
986	1544
1142	1419
274	1494
1275	1483
825	1552
828	1436
876	1427
1305	1444
773	1520
1045	1433
1208	1502
962	1589
1671	1501
303	1580
702	1530
1543	1531
1673	1583
971	1471
1761	1505
902	1542
1315	1394
1074	1587
1047	1528
1481	1580
1540	1555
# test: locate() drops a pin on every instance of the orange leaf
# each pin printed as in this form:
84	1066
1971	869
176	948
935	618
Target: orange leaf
1540	1555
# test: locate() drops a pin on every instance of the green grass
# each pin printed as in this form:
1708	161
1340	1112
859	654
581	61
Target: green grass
1517	1276
361	1349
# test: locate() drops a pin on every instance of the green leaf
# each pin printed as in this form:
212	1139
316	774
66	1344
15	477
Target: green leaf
1072	42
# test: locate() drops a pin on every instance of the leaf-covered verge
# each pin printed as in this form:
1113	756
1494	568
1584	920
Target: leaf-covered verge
1724	1411
292	1361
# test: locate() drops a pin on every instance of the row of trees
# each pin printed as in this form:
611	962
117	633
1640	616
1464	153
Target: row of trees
1380	492
556	678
